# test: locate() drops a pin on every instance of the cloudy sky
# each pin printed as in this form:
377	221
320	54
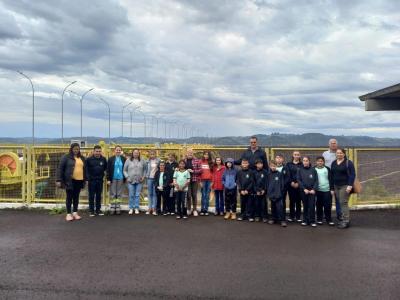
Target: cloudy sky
224	67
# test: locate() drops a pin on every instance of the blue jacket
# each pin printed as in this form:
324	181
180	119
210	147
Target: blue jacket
229	178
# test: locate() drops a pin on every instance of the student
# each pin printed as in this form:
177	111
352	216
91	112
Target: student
134	171
245	182
261	206
344	175
193	165
308	182
170	166
181	183
282	168
161	186
325	191
115	179
217	186
293	189
151	169
206	177
275	187
96	166
71	175
229	182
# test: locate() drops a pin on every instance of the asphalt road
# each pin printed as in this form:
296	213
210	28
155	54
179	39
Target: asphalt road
146	257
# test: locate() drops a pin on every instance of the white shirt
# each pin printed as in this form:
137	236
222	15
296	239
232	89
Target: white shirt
330	157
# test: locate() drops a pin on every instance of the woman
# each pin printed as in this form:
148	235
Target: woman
134	171
343	175
71	176
293	190
115	179
151	169
205	183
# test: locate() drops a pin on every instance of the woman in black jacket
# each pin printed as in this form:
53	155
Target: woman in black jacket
343	174
116	179
71	176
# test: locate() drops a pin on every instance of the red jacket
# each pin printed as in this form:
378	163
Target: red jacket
217	178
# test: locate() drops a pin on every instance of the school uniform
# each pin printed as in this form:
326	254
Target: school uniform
245	182
275	188
95	170
324	196
286	180
294	193
161	186
307	178
261	183
170	170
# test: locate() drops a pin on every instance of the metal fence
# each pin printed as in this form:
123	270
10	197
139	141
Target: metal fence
28	173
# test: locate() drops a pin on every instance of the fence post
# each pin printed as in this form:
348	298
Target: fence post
29	175
350	156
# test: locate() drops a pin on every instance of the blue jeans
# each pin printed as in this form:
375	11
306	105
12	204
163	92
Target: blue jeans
219	201
205	195
134	195
151	192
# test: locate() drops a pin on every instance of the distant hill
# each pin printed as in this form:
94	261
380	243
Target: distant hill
273	140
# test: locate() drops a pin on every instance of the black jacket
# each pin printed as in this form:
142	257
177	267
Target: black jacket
307	178
157	179
292	167
110	167
95	168
170	170
286	176
260	180
252	157
66	169
245	180
275	185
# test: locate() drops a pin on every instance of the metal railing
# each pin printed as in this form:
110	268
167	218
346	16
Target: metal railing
28	173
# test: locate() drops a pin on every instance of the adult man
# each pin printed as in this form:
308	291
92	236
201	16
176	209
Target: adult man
193	165
252	154
330	157
330	154
96	165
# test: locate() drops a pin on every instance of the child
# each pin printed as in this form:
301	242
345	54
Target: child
261	206
245	181
181	183
170	167
275	187
161	185
325	191
229	182
282	168
217	186
206	177
294	191
308	183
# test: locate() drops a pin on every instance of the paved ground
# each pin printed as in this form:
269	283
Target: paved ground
143	257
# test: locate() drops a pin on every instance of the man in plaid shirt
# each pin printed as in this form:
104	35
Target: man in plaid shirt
193	165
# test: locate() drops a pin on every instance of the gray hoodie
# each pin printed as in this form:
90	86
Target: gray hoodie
134	170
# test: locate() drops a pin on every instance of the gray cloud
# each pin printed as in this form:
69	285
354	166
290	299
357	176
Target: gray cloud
228	67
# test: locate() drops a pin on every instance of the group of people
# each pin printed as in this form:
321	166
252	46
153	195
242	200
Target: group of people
172	186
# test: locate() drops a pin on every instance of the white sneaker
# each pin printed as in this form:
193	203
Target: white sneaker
189	212
147	212
195	213
154	213
136	211
131	211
